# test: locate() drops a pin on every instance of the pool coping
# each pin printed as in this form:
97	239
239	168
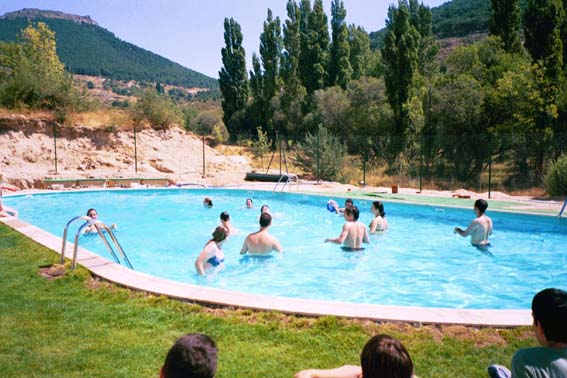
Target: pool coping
121	275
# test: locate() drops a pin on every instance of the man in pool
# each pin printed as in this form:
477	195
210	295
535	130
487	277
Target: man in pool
480	227
261	242
354	233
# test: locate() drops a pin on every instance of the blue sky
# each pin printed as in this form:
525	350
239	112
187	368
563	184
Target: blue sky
190	32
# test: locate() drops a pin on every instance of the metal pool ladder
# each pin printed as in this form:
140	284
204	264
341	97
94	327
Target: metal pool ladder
286	180
100	227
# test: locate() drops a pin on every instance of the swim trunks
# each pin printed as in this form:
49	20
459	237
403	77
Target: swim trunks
215	261
351	249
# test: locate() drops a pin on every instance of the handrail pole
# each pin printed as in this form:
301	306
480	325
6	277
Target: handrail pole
105	240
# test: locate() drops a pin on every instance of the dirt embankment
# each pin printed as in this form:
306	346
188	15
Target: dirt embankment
27	154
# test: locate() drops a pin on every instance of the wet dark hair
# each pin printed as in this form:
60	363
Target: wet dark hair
352	210
193	355
481	205
224	216
265	219
219	234
89	211
208	202
549	308
380	207
385	357
348	202
262	208
249	199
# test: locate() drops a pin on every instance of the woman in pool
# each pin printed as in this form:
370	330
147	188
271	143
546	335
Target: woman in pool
207	202
92	213
211	257
379	223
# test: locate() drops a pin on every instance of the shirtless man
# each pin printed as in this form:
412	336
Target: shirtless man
354	232
6	211
261	242
480	227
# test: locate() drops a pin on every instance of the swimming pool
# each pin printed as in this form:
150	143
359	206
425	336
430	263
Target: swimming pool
418	262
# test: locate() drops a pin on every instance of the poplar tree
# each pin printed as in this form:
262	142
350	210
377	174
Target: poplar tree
304	63
340	70
293	96
360	52
319	38
233	79
400	56
505	23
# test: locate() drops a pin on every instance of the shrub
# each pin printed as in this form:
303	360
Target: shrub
556	178
156	109
321	149
261	146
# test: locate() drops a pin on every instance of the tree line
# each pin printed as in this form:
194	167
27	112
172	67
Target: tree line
503	98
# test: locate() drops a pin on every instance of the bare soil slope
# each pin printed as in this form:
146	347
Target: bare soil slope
27	154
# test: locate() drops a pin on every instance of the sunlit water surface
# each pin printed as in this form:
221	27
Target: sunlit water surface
417	262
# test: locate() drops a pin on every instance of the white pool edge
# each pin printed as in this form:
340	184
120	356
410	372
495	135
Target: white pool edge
123	276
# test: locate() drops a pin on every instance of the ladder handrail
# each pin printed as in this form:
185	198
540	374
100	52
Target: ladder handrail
562	208
100	227
288	177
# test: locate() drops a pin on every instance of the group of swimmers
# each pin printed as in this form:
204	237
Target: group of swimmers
257	243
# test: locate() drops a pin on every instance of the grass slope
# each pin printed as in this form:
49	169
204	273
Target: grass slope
78	327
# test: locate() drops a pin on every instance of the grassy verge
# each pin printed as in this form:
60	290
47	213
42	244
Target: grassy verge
76	326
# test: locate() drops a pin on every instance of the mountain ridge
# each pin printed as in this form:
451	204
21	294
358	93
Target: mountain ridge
89	49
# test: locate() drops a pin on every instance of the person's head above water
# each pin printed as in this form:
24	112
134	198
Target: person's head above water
264	209
265	219
92	213
348	203
249	203
481	205
207	202
220	233
385	357
352	211
379	207
193	355
549	310
224	216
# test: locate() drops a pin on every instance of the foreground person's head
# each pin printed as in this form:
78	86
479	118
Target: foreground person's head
385	357
549	310
192	356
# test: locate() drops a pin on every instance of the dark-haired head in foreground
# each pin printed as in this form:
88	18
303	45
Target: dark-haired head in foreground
192	356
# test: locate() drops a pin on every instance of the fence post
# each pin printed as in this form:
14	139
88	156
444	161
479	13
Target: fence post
489	165
135	151
204	172
55	144
421	162
318	149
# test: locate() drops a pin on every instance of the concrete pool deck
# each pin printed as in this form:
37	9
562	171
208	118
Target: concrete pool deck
121	275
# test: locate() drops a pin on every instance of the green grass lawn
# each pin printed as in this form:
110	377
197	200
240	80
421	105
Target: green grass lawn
76	326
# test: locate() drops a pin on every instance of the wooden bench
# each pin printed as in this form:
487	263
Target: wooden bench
59	183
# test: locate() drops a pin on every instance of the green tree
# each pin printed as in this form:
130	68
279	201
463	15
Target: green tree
261	146
321	153
31	73
340	70
314	39
362	59
505	23
156	109
233	79
400	55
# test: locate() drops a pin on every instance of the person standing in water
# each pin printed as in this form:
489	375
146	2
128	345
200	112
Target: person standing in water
261	242
480	228
211	257
379	223
354	232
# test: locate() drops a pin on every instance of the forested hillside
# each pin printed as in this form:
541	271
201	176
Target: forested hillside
456	18
88	49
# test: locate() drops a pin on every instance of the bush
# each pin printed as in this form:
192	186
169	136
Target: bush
157	109
323	149
556	178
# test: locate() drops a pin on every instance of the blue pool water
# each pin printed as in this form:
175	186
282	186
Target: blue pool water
417	262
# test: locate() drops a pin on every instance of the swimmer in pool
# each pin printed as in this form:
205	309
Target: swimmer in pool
379	223
333	206
261	242
348	203
211	257
265	209
249	203
354	232
92	213
225	221
207	202
480	228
